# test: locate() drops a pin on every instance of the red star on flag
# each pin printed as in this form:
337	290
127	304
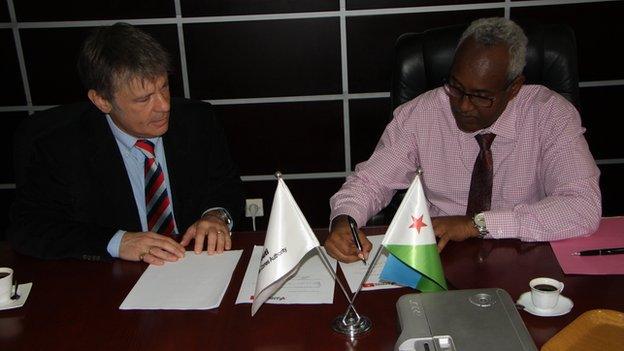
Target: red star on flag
417	223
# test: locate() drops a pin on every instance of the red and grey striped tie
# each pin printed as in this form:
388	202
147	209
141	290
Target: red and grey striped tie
159	208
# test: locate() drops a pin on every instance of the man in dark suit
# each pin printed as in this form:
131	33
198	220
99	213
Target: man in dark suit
126	174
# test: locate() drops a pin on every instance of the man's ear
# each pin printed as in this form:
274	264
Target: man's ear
515	86
101	102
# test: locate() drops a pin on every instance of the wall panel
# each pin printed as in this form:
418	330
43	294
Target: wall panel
593	25
12	88
599	111
368	119
50	55
263	58
302	137
192	8
75	10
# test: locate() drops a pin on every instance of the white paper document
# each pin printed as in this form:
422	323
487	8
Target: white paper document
312	284
195	282
354	272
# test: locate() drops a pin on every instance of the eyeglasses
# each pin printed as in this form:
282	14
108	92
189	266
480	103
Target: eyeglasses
477	100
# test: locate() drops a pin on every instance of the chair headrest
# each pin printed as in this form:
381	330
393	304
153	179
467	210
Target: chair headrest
423	60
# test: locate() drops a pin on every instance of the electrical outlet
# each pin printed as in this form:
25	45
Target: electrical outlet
254	206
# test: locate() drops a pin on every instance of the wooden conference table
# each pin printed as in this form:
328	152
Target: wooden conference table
74	304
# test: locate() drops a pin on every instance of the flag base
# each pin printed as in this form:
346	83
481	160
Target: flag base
351	325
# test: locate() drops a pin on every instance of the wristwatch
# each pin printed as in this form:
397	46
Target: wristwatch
479	223
221	215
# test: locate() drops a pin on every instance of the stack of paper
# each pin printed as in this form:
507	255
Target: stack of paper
197	281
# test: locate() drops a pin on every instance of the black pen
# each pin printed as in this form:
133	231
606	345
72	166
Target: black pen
356	238
600	252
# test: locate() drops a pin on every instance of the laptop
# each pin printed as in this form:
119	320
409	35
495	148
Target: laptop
464	320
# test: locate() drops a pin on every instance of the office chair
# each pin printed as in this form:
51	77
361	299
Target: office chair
423	60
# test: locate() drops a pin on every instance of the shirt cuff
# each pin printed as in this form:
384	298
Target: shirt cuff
360	219
501	224
115	243
230	225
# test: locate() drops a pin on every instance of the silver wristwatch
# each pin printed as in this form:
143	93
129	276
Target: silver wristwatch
479	223
222	215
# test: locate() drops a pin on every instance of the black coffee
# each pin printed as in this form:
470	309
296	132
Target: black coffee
4	274
545	287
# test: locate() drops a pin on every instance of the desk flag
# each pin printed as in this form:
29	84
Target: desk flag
413	260
288	239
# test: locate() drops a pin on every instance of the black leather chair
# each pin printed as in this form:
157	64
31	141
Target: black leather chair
423	60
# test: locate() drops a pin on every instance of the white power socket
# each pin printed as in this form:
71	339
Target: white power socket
253	208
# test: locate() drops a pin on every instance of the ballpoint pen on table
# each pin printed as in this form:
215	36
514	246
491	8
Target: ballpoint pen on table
356	238
600	252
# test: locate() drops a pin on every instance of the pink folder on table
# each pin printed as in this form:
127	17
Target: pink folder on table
609	234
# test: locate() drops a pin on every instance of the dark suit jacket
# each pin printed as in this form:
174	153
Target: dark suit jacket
73	191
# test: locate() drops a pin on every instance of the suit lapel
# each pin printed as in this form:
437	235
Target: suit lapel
109	174
176	153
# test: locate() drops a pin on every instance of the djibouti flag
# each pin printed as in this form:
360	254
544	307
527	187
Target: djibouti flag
413	258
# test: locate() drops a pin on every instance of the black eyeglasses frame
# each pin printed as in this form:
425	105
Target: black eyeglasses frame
481	101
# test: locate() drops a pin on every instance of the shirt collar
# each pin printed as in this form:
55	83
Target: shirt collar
124	138
504	126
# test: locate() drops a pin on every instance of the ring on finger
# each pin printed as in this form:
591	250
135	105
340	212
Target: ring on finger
143	254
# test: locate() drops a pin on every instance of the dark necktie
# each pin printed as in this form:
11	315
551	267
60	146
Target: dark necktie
157	203
480	196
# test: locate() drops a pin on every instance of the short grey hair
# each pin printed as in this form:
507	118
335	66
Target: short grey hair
499	30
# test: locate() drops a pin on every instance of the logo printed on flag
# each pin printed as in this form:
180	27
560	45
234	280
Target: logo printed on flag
288	239
413	258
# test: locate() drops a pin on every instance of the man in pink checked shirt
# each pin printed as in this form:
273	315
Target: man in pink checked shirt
544	178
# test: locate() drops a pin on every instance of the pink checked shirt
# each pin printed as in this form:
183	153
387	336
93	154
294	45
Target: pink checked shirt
545	179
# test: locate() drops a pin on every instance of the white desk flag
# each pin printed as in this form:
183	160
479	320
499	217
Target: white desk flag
288	239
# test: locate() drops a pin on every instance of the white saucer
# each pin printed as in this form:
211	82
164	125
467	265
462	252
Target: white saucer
23	290
564	305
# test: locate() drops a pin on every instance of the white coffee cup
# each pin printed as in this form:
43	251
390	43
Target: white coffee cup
545	292
6	283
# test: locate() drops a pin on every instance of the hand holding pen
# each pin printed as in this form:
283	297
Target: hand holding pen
342	243
356	238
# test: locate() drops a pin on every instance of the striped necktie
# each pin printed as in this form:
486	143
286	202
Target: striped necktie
157	203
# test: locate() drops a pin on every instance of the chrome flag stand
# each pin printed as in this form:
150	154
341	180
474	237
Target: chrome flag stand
351	323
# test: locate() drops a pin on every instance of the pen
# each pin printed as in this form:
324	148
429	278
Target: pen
600	252
356	238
